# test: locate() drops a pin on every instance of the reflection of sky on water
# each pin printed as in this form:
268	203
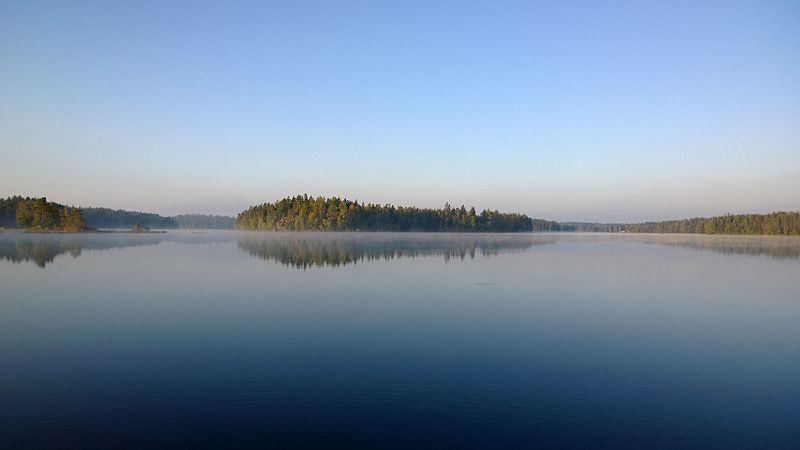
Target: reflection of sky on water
531	339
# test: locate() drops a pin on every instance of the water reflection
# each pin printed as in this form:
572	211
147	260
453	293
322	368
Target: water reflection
779	247
664	340
304	250
337	249
42	249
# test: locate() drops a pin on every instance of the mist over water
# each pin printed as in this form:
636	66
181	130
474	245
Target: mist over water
334	249
399	340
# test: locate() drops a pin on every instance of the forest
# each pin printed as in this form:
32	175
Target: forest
304	213
204	221
39	214
546	225
777	223
118	218
8	211
11	208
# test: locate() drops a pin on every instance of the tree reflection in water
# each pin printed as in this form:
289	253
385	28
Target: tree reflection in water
304	250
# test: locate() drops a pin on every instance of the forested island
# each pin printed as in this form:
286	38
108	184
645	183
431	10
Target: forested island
304	213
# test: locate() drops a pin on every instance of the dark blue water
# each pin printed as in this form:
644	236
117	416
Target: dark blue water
399	341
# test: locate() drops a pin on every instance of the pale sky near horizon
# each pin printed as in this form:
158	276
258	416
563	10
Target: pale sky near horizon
593	111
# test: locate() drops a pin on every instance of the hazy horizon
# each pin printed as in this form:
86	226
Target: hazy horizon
620	112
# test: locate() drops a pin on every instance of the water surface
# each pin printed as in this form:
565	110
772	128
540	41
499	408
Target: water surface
399	340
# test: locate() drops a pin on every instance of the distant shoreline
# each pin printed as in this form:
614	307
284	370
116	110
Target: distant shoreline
375	232
307	213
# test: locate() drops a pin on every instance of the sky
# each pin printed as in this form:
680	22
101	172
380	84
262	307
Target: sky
593	111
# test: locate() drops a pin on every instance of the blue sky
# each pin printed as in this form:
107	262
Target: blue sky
606	111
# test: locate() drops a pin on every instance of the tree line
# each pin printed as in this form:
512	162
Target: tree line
39	214
8	211
119	218
107	218
777	223
546	225
304	213
204	221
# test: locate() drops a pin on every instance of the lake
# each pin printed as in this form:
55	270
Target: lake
392	340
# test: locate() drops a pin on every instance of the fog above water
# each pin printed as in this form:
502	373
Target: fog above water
336	249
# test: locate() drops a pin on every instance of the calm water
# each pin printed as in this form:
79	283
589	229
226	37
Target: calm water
399	340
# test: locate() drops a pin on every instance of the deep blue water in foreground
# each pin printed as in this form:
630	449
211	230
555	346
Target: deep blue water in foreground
399	340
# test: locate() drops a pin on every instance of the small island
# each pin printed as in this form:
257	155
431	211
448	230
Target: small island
140	229
305	213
